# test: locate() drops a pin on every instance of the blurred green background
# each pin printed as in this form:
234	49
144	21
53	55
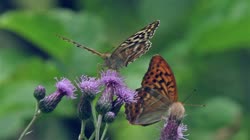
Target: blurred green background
207	44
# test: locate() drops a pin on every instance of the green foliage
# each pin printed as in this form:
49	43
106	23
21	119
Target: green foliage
206	43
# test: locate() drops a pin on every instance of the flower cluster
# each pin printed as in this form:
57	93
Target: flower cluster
114	94
111	84
113	89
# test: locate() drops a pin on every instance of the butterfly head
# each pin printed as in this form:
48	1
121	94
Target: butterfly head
177	110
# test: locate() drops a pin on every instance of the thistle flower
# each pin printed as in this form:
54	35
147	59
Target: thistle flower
112	79
174	129
89	86
126	95
64	88
39	92
114	83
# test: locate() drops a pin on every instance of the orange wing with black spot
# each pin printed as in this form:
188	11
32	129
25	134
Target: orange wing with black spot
157	93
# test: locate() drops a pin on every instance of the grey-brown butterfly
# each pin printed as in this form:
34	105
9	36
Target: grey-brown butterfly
128	51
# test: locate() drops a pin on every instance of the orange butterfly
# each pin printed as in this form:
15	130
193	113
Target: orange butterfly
128	51
157	97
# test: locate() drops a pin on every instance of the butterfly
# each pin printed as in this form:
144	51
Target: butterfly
156	96
128	51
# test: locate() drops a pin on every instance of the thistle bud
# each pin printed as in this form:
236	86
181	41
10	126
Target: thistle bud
109	117
39	92
116	106
104	103
49	103
84	108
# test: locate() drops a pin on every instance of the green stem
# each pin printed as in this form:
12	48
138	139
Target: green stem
36	115
92	136
93	112
82	135
98	126
105	131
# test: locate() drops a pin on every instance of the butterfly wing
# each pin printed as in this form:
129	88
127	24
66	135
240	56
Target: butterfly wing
144	111
158	92
132	48
161	78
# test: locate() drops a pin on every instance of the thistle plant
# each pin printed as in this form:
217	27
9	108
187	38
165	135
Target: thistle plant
46	104
102	97
100	101
114	93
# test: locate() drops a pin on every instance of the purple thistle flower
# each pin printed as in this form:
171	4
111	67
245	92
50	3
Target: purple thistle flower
89	86
181	130
64	88
114	83
126	95
112	79
174	129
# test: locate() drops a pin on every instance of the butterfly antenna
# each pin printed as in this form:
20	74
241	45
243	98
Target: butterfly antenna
199	105
81	46
190	95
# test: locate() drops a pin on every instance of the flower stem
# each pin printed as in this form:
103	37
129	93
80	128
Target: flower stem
93	112
92	135
98	126
104	131
82	135
36	115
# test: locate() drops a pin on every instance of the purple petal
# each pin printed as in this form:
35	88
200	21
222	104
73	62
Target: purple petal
173	129
89	85
126	95
66	87
111	78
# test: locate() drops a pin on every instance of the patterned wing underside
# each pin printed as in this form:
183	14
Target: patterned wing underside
157	93
132	48
161	78
148	109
